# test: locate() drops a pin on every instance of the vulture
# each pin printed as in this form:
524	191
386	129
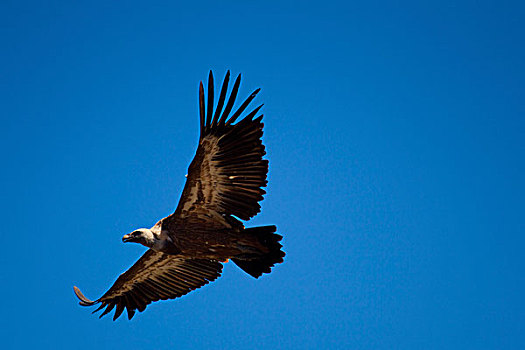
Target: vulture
224	185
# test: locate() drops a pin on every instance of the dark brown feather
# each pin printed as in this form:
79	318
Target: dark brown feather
222	96
154	276
243	107
201	107
210	99
226	150
231	101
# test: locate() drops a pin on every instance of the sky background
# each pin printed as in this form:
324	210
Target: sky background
395	133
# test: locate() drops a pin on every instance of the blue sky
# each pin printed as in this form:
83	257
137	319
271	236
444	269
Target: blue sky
395	134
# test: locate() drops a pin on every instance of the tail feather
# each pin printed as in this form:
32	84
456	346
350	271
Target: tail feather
263	263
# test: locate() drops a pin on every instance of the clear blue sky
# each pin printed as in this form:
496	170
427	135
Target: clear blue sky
395	135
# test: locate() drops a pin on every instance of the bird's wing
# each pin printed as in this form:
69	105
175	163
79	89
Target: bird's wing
155	276
228	172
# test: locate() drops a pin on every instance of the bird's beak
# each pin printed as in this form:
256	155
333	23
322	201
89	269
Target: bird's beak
126	238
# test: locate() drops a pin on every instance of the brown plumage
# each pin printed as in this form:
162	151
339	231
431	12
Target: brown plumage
225	181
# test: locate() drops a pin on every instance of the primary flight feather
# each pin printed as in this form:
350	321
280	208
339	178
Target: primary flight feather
225	181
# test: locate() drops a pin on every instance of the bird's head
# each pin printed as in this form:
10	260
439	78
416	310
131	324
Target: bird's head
142	236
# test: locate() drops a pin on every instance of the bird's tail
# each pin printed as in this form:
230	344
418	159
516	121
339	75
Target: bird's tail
262	263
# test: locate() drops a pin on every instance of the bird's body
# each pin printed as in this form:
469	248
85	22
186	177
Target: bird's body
224	241
224	184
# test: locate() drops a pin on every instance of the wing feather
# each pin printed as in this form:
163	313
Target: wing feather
231	101
201	107
155	276
222	96
228	172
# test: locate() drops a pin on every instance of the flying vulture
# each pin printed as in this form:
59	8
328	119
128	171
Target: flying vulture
224	184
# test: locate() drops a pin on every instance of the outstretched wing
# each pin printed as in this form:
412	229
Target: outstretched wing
228	172
155	276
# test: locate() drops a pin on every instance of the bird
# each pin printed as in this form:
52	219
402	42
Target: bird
224	186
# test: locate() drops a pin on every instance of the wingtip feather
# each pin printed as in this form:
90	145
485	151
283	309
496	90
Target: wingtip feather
210	101
243	107
222	96
231	101
83	300
201	107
